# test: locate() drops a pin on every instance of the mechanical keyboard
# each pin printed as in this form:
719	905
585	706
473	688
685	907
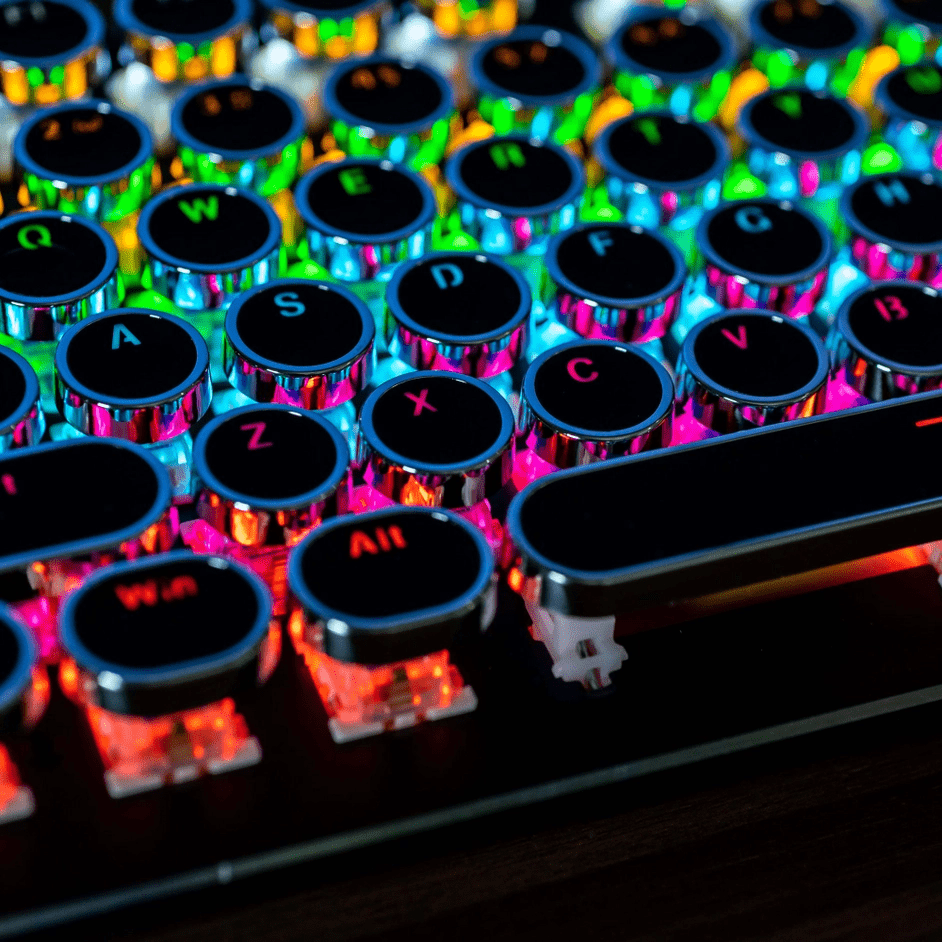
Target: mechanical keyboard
415	411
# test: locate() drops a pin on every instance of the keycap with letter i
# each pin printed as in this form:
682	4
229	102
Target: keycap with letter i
512	193
162	712
380	659
802	143
590	400
384	107
660	170
887	339
93	160
535	81
741	369
680	60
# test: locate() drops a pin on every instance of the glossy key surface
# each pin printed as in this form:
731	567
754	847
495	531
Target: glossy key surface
572	528
123	491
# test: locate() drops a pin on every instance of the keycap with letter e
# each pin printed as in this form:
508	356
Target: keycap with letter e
438	439
741	369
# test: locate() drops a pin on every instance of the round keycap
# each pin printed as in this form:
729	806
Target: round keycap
42	43
749	368
18	657
132	374
812	29
803	124
387	96
459	311
673	48
208	228
662	151
97	148
354	206
21	417
279	463
912	93
208	242
428	575
54	270
615	281
892	339
438	436
591	400
515	176
657	164
172	633
895	221
764	254
677	59
335	28
299	342
920	12
181	20
125	491
239	131
529	81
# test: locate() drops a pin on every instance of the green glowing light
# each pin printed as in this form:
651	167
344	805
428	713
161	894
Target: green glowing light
742	185
881	158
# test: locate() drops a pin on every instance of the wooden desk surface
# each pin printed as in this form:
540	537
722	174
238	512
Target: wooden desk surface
833	838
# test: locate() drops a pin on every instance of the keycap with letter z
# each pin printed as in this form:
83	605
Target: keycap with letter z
587	551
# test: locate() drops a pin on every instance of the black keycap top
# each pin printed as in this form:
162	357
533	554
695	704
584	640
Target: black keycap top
299	342
167	634
895	223
802	124
615	281
781	251
812	29
461	311
587	401
134	374
54	270
286	464
889	336
748	368
21	417
118	491
441	434
18	657
760	511
429	579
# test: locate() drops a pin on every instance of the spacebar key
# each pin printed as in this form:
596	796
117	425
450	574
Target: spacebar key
733	511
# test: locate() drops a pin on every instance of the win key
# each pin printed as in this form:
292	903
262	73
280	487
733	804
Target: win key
760	512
